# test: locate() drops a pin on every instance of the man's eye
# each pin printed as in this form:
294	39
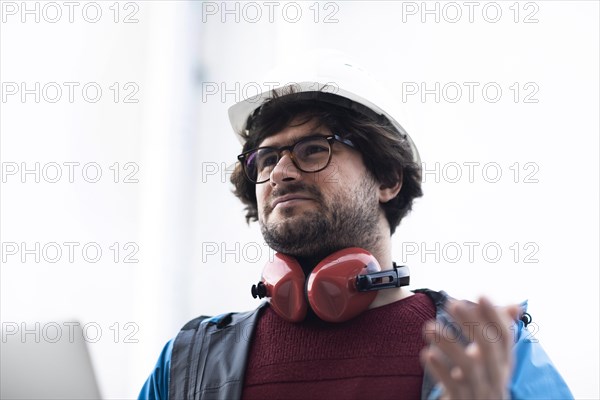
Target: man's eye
267	161
313	149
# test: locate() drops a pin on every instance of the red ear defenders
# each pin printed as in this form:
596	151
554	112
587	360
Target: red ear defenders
339	288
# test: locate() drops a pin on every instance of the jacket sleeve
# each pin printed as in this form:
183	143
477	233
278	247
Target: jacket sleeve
157	384
534	374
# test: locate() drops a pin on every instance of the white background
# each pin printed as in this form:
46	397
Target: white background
195	253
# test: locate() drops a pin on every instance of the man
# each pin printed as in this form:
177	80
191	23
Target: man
329	175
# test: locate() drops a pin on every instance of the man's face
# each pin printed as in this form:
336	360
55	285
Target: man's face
314	214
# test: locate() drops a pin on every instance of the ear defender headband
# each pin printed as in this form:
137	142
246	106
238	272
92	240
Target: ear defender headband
339	288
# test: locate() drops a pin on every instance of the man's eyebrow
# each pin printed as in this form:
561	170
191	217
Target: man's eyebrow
296	138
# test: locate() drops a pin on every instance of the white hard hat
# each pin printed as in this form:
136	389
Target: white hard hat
326	72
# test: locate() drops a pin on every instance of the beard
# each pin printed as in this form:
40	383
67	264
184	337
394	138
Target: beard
350	219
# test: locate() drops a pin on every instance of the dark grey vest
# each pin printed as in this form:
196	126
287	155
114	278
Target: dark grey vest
210	354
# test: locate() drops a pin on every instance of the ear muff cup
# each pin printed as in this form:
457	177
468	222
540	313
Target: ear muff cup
283	279
330	289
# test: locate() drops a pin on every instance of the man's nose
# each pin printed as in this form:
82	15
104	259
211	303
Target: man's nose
285	170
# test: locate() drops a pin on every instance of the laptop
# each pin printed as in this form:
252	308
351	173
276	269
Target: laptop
38	363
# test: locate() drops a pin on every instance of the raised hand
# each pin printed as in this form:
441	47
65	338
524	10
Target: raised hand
480	369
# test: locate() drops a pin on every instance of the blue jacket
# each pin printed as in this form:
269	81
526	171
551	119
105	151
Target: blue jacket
207	359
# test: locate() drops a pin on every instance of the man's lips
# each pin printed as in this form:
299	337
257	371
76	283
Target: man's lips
288	198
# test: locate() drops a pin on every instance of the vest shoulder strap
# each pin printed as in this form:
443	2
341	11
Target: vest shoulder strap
439	299
209	356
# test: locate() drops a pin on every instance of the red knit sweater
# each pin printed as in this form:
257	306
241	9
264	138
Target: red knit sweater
374	356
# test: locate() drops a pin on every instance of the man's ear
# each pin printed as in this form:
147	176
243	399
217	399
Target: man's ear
388	191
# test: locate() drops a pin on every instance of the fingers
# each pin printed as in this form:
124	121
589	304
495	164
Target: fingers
495	340
451	350
488	328
434	361
485	365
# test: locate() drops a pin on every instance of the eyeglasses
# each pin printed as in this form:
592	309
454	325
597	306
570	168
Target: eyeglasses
310	154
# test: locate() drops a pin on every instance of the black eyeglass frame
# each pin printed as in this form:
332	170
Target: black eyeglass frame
330	140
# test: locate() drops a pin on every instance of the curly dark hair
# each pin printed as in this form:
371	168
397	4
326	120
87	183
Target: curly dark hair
385	152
